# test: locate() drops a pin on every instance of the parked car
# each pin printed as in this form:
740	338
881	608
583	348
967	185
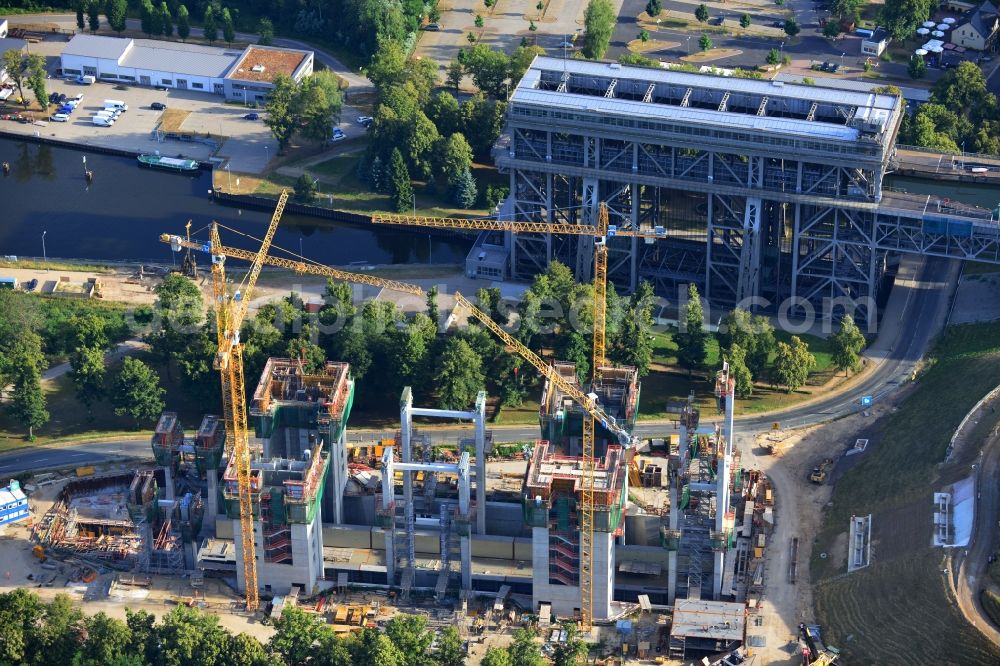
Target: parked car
62	98
778	24
367	123
252	116
78	97
433	27
59	117
566	45
158	106
338	134
53	98
365	120
32	283
65	110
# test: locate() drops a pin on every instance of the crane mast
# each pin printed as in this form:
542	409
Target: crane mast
230	311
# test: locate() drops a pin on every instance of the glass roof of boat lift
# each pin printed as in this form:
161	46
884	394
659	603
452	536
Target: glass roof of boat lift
761	105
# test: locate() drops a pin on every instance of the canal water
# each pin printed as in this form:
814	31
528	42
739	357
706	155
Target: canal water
121	214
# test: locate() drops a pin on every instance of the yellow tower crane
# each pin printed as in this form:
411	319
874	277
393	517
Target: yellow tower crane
601	231
231	308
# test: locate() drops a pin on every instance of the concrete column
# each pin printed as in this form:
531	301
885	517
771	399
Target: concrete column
481	462
722	492
465	543
388	495
168	481
604	574
212	501
673	522
539	566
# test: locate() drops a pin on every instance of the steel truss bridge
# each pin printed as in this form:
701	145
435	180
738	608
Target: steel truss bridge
757	191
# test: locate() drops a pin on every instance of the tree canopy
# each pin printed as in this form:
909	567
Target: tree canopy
599	24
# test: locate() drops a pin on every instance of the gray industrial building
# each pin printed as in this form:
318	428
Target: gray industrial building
760	189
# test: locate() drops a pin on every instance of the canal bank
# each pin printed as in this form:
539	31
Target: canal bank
119	216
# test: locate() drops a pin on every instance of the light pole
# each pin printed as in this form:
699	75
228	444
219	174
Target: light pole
229	176
413	197
689	45
842	60
45	256
782	51
267	155
963	155
300	246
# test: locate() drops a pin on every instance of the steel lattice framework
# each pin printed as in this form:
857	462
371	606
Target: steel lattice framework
752	189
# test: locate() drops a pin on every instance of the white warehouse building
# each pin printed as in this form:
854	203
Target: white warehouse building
244	75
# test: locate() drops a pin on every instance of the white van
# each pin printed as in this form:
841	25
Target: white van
115	103
110	115
102	122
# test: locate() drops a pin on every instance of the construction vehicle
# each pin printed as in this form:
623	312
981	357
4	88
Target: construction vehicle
39	552
818	474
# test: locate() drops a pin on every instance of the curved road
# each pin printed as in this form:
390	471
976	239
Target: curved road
913	317
971	571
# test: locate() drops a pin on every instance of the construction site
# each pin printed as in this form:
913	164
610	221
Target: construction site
652	547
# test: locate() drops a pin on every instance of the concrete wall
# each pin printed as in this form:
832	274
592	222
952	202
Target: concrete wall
604	574
642	530
505	519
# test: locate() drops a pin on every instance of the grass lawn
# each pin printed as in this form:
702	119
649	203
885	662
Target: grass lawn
979	268
666	382
68	419
339	176
897	610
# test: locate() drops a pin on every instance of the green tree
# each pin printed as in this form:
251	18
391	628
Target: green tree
20	615
701	13
471	37
166	21
294	634
228	28
902	17
81	22
27	405
792	27
479	21
637	59
454	74
831	29
633	345
88	374
654	7
792	364
116	13
244	650
773	57
521	59
188	636
107	639
745	21
525	651
643	36
94	15
409	633
183	23
570	652
738	371
443	110
497	657
574	348
36	79
963	89
692	338
599	23
433	310
465	191
459	375
705	42
453	159
419	143
317	105
845	8
449	651
146	12
136	391
14	65
488	68
208	26
59	636
917	69
305	188
482	121
281	105
265	32
847	344
399	181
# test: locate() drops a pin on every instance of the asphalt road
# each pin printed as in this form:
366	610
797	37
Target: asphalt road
972	563
898	348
